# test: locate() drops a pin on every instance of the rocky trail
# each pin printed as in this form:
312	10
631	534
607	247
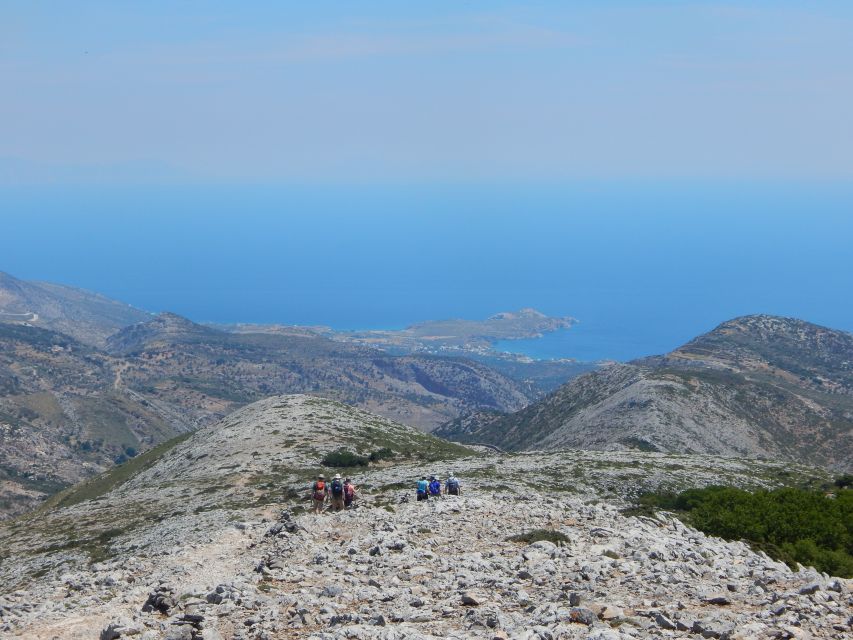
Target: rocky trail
209	537
443	569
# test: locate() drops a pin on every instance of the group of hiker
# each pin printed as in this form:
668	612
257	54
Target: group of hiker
432	488
341	492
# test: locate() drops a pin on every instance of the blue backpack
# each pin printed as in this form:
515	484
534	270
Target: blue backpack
435	487
337	488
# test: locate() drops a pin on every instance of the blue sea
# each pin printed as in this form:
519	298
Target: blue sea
588	341
642	267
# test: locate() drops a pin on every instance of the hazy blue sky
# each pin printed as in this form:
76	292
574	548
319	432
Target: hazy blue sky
652	168
281	92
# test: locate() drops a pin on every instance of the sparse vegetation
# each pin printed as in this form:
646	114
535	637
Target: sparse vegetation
381	454
344	459
803	526
549	535
106	482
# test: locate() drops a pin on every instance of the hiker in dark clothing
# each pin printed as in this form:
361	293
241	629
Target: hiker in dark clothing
336	491
435	487
453	486
423	489
349	493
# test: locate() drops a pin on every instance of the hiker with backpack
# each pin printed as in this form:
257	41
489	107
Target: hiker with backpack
435	487
349	493
453	486
423	489
319	493
336	491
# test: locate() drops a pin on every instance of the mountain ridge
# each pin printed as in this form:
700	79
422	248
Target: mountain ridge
69	410
84	315
756	385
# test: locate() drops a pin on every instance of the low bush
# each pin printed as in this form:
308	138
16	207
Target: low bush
381	454
802	526
845	481
344	459
550	535
347	459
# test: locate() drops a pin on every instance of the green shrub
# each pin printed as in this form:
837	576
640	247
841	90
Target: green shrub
347	459
529	537
845	481
344	459
381	454
792	525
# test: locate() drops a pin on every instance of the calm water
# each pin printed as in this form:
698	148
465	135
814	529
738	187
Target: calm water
587	341
644	268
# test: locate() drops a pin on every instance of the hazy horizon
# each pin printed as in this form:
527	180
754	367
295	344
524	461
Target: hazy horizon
650	168
643	269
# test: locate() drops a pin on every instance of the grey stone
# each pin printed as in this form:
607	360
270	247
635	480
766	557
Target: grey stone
713	629
111	632
581	615
179	632
812	587
664	623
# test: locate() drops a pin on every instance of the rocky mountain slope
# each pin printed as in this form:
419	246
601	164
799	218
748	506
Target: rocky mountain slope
208	537
469	339
68	410
755	386
88	317
63	418
211	372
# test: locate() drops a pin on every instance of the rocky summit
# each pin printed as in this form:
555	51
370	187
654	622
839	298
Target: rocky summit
209	536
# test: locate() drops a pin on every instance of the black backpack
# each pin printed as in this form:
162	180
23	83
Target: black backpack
337	487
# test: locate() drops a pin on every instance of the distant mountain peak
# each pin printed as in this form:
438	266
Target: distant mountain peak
164	328
766	323
171	319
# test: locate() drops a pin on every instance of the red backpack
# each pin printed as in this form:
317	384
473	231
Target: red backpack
349	491
319	490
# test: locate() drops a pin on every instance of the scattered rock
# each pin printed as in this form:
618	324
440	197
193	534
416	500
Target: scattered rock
162	599
582	615
812	587
664	623
719	599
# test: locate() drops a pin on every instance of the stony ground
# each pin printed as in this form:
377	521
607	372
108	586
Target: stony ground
212	540
444	569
